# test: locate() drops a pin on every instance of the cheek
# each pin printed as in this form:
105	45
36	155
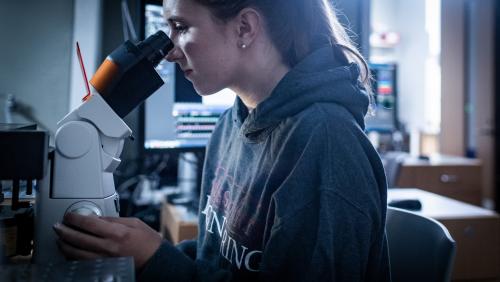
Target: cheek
193	41
213	62
192	50
200	47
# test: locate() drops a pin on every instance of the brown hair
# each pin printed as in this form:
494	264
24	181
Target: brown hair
297	27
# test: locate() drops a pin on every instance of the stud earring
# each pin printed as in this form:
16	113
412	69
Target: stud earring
243	46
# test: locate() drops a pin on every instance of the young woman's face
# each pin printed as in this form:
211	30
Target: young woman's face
205	49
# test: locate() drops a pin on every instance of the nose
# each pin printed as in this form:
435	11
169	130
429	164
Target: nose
174	55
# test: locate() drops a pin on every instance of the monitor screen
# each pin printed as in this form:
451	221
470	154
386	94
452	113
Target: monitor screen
175	116
385	95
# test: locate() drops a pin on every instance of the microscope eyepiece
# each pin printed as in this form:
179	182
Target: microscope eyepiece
156	47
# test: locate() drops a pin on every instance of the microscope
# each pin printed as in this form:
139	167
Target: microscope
89	141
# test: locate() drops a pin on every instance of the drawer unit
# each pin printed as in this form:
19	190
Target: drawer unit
457	178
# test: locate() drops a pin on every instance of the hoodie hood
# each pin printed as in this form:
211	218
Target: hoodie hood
324	76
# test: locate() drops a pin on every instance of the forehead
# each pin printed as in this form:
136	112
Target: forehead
183	8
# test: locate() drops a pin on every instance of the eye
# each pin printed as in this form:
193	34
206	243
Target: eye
179	27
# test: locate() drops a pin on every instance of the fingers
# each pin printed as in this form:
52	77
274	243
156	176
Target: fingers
74	253
93	224
82	240
132	222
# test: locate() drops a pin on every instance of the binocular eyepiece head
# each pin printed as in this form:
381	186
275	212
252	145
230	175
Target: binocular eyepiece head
128	77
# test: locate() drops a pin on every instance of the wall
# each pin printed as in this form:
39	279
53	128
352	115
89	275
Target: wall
452	136
480	90
87	32
36	41
355	15
407	18
496	103
412	52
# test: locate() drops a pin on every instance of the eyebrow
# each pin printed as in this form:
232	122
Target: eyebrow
176	19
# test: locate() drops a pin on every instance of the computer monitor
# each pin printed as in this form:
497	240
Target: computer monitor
384	85
175	116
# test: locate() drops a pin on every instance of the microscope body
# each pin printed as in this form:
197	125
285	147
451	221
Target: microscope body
89	141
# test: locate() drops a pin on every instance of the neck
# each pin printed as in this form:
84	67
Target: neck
256	84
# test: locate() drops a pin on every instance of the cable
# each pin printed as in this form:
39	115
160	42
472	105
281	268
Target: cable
14	106
162	165
9	103
127	183
128	26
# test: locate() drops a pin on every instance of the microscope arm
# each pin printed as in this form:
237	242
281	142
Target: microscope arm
89	142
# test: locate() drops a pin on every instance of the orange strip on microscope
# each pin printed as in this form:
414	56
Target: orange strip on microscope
104	75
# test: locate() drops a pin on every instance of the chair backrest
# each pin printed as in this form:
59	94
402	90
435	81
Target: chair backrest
420	248
392	164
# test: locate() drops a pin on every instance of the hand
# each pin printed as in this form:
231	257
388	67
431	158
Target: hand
90	237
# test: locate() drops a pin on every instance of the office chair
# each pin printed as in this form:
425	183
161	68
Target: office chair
392	164
420	248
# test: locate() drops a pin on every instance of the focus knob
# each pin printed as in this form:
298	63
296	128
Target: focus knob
85	208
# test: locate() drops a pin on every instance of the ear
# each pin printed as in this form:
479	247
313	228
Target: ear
248	25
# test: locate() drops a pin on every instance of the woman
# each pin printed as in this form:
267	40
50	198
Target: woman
292	188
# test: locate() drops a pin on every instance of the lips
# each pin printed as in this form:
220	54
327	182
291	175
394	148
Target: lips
187	72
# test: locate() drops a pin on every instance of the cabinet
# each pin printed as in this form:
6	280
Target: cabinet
455	177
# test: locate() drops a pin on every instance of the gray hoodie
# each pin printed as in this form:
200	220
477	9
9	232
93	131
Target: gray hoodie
292	191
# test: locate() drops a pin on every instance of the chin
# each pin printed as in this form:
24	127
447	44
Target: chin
205	91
